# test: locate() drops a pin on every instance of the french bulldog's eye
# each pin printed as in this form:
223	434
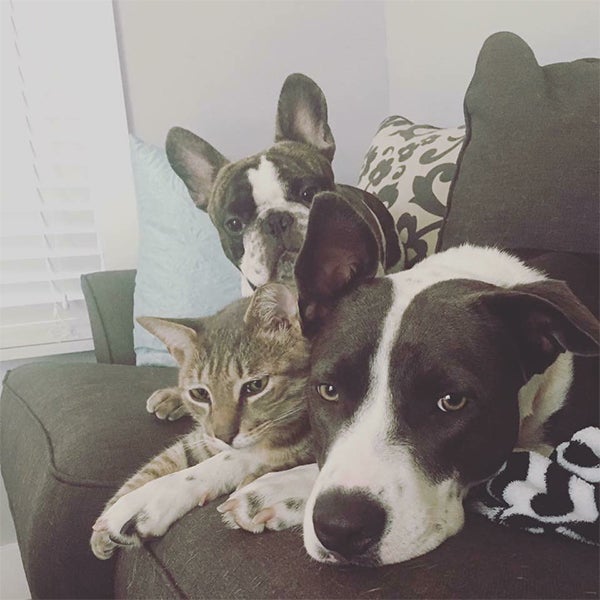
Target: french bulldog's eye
308	194
234	225
328	392
451	402
199	394
251	388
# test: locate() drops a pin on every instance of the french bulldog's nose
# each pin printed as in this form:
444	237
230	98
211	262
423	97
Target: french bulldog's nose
277	223
348	523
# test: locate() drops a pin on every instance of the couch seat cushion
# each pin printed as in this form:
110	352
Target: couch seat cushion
199	558
70	435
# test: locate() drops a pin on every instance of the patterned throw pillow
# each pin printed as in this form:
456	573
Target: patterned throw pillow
409	168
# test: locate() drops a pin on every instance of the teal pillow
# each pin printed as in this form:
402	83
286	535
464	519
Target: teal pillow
182	270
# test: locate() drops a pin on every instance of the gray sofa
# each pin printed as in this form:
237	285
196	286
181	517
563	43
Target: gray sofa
70	434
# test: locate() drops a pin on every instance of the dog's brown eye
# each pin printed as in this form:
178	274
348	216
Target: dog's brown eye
199	394
234	225
251	388
308	194
328	392
451	402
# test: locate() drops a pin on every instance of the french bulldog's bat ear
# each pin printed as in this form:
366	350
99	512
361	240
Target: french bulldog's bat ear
180	336
342	248
273	307
195	161
545	318
302	115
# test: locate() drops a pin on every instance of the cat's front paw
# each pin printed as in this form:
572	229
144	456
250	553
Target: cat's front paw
146	512
274	501
104	542
166	404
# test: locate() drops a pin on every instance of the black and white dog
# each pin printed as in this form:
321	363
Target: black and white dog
260	204
422	383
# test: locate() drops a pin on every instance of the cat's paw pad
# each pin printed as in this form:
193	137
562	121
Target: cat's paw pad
263	504
166	404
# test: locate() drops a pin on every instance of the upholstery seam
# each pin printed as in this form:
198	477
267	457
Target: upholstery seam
90	287
166	573
58	475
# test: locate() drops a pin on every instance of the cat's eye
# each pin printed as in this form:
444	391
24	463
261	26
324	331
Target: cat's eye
328	392
251	388
452	402
234	225
199	394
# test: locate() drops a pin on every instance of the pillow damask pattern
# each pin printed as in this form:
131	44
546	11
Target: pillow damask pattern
409	168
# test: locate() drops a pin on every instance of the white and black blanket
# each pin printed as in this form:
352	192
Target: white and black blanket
559	494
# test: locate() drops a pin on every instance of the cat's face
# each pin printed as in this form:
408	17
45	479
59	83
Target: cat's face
242	370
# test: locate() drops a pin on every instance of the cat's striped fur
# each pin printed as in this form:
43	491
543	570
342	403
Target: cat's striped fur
242	378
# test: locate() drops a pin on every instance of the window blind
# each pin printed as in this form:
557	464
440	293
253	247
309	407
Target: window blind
52	107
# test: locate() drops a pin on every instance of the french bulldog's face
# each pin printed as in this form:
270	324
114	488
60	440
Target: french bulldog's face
260	204
260	207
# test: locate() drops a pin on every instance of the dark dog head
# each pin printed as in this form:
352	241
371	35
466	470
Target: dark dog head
416	381
260	204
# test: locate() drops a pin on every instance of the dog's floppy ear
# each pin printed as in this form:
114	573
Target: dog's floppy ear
273	307
343	247
386	232
545	318
302	115
195	161
180	336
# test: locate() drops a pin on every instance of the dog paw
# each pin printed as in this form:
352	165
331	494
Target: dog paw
166	404
270	502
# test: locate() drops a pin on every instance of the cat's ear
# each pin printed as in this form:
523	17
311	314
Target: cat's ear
180	336
273	307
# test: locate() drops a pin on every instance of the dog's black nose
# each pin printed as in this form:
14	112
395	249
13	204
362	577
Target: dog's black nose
277	223
349	523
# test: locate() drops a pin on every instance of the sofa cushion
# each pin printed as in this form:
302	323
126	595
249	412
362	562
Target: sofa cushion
182	270
528	174
409	167
70	435
199	558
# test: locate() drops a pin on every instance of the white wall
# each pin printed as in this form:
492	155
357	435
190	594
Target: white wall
432	46
217	67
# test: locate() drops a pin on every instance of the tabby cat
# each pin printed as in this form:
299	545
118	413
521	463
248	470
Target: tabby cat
242	377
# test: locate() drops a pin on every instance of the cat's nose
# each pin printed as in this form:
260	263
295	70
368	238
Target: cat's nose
226	435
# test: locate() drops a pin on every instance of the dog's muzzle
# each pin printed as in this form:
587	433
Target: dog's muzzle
278	224
349	525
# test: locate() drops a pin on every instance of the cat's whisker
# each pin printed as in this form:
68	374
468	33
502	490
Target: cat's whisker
287	414
263	427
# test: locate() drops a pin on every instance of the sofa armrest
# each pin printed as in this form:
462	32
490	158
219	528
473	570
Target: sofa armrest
109	299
